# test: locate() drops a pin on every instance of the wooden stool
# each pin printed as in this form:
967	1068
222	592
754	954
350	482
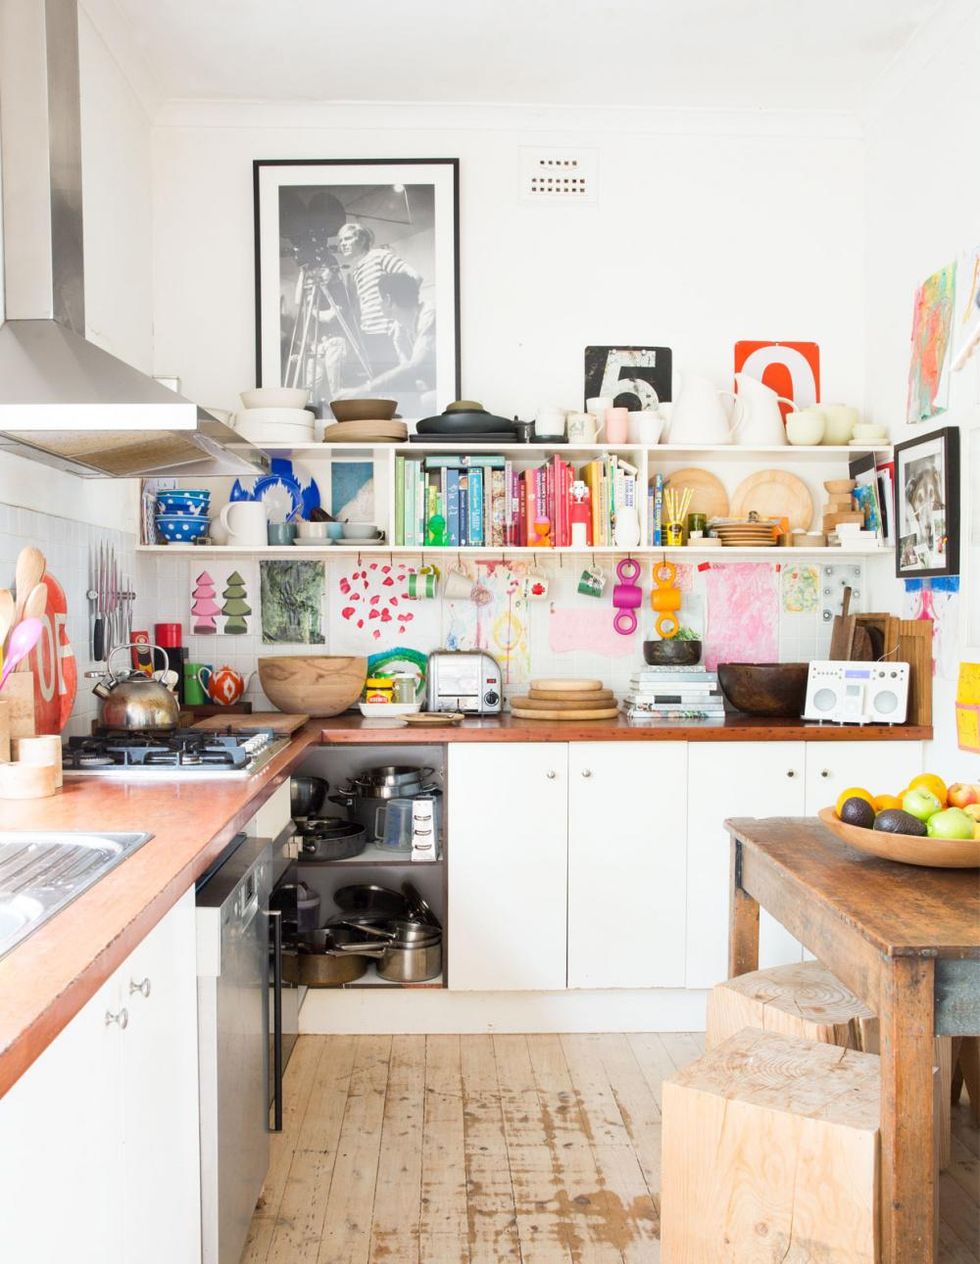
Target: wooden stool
770	1151
806	1000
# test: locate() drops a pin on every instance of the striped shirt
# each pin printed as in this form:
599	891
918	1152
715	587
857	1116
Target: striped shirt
366	273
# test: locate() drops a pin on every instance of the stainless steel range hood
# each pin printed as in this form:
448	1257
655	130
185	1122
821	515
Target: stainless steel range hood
63	400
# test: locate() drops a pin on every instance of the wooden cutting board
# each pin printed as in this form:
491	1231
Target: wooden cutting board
709	498
282	725
580	713
566	684
774	494
548	704
571	695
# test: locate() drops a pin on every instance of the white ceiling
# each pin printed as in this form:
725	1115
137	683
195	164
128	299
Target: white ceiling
777	54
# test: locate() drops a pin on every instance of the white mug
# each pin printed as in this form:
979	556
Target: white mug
459	585
549	423
312	530
581	428
245	522
598	406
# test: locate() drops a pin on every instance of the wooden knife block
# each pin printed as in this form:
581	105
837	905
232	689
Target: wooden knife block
908	641
18	693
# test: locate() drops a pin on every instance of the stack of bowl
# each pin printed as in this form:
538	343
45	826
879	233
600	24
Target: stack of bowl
182	515
276	416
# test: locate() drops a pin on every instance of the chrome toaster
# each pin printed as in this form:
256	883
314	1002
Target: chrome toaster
463	680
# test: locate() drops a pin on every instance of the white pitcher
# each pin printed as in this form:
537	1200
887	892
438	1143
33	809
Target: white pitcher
698	416
760	423
245	522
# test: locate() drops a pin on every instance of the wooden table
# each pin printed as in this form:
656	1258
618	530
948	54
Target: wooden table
907	942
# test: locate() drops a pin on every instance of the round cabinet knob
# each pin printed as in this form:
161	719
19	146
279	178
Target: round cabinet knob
790	772
586	772
825	773
551	774
121	1019
143	987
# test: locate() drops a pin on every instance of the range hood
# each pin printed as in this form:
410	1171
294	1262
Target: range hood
63	400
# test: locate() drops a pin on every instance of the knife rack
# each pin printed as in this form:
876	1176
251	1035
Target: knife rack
907	641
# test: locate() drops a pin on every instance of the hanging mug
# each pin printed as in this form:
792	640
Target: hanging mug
422	584
536	586
592	582
459	585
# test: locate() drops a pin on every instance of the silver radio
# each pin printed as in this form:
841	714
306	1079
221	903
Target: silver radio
463	680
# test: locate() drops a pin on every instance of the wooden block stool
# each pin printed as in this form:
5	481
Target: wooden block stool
770	1152
806	1000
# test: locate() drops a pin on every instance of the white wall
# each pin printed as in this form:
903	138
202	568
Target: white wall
709	228
923	193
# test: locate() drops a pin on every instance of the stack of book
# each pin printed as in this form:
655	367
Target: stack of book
486	500
674	693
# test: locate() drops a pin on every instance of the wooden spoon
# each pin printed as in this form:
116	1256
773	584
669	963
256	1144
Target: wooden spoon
30	570
34	608
6	613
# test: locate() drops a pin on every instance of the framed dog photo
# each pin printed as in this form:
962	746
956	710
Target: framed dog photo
357	280
927	505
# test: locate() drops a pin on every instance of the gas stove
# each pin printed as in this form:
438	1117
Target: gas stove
186	753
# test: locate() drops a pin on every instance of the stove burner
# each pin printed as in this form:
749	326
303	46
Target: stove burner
93	761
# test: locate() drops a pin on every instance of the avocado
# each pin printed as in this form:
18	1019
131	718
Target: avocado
857	812
895	821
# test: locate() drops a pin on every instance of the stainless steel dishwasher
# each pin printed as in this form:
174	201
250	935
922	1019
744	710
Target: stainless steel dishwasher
233	936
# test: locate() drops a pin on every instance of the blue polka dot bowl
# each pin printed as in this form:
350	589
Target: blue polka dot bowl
181	528
171	504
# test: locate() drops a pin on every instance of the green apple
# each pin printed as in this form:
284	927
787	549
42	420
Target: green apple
921	803
952	823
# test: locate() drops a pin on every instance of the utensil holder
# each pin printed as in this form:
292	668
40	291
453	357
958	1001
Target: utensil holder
44	750
27	781
18	693
4	732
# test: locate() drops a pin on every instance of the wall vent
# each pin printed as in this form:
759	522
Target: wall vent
560	175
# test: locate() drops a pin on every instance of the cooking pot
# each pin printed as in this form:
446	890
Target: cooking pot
135	702
404	934
306	795
339	840
400	963
366	898
391	781
320	963
366	803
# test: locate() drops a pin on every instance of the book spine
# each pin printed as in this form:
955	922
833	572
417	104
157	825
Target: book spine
452	506
522	510
658	510
476	507
498	509
487	505
410	501
399	500
420	506
464	508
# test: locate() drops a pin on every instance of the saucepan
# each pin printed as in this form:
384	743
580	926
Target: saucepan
405	933
403	963
319	961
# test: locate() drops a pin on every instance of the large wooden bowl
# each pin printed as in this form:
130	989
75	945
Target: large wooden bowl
770	689
909	849
312	684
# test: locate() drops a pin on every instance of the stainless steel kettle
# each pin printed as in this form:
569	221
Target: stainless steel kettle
135	702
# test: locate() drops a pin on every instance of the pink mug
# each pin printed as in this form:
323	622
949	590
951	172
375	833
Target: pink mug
617	425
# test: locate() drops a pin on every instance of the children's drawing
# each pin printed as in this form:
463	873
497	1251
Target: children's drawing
801	589
932	323
743	614
498	623
204	608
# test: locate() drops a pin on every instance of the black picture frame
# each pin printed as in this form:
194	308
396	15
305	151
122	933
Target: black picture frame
299	207
927	505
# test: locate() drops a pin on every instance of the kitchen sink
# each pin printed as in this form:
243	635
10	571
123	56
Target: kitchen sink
42	872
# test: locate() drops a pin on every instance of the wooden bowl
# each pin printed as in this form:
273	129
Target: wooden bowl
769	689
312	684
672	652
908	849
363	409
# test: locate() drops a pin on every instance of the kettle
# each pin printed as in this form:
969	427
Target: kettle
135	702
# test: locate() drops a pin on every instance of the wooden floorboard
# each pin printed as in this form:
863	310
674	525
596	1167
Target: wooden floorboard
540	1149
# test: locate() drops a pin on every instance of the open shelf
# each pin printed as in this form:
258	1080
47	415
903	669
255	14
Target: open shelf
372	980
377	857
666	451
399	550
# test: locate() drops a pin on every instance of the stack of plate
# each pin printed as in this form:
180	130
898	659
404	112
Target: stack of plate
566	700
275	415
745	535
377	431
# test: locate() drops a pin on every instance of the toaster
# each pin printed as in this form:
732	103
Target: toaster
463	680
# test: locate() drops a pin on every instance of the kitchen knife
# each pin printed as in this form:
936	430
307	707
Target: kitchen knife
98	632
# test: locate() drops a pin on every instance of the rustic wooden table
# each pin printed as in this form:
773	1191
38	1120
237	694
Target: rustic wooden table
907	942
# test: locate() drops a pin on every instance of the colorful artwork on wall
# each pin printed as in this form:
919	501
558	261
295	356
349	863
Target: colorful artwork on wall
968	708
204	608
932	323
801	589
236	606
352	491
292	602
743	614
791	369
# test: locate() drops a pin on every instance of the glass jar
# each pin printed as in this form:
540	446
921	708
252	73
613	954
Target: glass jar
379	689
405	685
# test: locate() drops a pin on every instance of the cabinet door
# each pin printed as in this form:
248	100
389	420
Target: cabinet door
507	857
723	780
61	1146
881	767
627	822
161	1181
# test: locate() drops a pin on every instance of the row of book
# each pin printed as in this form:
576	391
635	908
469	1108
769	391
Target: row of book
485	499
674	693
655	510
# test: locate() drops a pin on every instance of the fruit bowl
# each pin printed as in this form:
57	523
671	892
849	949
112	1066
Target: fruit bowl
908	849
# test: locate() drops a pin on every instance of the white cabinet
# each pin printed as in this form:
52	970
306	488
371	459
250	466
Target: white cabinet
99	1139
507	815
627	822
881	767
728	779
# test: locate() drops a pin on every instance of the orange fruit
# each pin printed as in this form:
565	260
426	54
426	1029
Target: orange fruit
852	792
885	802
929	781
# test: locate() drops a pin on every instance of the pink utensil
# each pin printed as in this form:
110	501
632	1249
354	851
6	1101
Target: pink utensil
22	640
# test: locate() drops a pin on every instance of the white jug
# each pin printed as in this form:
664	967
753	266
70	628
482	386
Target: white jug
760	422
245	522
698	416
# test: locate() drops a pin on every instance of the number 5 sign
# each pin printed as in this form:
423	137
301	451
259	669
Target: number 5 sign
53	662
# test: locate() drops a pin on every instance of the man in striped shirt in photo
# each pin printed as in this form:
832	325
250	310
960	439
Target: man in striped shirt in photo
367	264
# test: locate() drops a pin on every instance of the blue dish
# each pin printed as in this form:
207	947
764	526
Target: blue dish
183	502
180	528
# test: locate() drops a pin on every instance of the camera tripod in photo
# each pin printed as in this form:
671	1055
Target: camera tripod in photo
323	337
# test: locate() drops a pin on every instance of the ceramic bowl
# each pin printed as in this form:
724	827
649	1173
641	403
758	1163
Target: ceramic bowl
770	689
180	528
645	427
805	427
672	652
363	409
359	530
275	397
866	432
178	503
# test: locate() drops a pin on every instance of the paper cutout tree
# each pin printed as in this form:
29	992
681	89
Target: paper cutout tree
235	608
205	608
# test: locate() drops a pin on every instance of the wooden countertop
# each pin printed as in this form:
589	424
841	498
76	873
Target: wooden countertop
47	978
356	730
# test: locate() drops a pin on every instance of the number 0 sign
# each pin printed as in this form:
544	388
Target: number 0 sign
53	663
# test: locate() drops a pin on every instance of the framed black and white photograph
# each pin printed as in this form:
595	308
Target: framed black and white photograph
927	505
357	280
637	378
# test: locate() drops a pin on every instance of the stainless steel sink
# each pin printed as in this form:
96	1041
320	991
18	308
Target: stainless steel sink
41	873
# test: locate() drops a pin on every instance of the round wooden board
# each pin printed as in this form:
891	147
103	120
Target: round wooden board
567	684
570	695
929	853
547	704
710	497
581	713
432	718
774	494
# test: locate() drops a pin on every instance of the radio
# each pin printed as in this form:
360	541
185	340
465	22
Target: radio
857	693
